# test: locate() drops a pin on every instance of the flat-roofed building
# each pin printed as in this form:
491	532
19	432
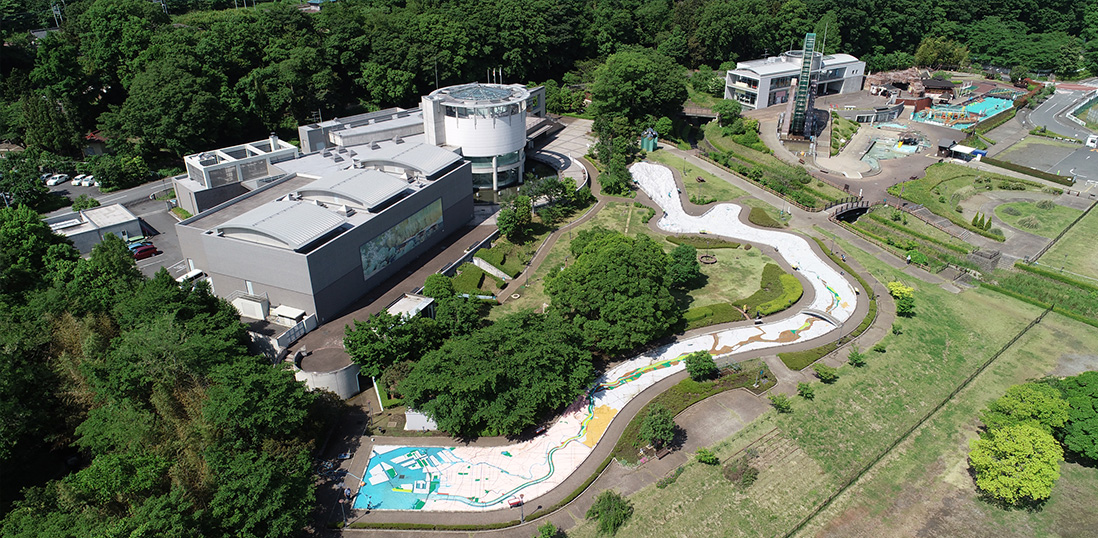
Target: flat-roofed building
769	81
325	228
87	227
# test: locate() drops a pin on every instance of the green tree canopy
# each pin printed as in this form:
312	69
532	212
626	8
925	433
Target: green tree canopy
1038	404
1080	433
1016	464
616	292
700	365
684	267
503	378
387	338
658	428
611	510
637	83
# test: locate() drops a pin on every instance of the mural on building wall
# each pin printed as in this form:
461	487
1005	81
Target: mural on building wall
400	239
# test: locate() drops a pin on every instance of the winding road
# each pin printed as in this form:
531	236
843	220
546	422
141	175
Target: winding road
466	478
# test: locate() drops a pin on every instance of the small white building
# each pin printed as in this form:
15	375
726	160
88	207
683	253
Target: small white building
219	175
87	227
769	81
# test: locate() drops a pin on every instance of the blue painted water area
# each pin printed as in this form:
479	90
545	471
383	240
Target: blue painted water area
401	479
895	126
887	148
978	110
989	106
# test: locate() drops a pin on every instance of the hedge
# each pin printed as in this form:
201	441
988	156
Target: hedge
1062	180
792	290
714	314
1036	302
1054	275
918	235
710	242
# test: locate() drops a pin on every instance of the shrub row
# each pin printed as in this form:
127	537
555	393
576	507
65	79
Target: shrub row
919	235
649	213
714	314
699	243
1055	276
671	478
1062	180
1037	302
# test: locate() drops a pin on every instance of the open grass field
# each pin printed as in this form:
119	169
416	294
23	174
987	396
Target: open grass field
735	276
1077	250
1050	222
947	185
823	441
715	188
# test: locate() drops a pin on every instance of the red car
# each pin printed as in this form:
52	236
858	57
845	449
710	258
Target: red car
145	251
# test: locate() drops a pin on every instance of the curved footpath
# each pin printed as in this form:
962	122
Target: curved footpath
826	291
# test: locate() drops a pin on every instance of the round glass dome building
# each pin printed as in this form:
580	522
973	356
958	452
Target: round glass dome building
488	123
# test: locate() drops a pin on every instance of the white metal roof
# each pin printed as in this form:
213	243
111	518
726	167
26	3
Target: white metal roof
365	188
291	225
409	305
962	149
425	158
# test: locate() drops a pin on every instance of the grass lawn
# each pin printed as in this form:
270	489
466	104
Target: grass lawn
1075	251
735	276
842	132
1050	221
946	185
825	440
901	237
714	187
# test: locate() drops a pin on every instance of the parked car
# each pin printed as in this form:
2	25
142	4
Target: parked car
138	244
86	182
94	182
144	251
79	177
46	176
56	179
76	182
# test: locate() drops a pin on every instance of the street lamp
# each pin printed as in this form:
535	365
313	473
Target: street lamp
522	509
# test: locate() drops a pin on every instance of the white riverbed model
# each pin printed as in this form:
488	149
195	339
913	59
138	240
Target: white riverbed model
491	478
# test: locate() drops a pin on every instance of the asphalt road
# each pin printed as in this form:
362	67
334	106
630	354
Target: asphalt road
124	197
1051	115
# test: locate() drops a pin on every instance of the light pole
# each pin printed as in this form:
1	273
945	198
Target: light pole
522	509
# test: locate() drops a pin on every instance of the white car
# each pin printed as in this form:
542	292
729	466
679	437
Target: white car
75	181
56	179
94	182
86	182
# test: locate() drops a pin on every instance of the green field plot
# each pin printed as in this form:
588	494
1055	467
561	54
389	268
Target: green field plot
1028	216
904	235
714	188
946	185
1077	250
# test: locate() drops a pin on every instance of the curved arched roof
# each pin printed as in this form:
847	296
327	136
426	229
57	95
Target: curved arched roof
366	189
292	225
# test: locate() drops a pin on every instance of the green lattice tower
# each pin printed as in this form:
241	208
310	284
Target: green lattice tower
804	85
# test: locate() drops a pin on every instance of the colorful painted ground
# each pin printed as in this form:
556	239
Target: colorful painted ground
488	478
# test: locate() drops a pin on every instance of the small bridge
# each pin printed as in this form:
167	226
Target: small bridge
824	316
847	205
698	112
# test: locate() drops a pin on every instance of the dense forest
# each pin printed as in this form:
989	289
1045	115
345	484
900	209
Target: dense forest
166	80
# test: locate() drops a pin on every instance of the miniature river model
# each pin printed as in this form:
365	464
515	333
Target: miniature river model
465	478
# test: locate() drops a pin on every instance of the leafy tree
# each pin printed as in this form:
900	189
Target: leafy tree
388	338
19	183
805	390
438	286
939	52
1019	73
1016	464
856	358
1038	404
503	378
49	125
611	510
635	83
658	428
514	220
905	298
27	247
728	111
1080	432
83	202
664	127
700	365
508	222
781	402
616	292
458	316
826	373
684	267
239	418
547	530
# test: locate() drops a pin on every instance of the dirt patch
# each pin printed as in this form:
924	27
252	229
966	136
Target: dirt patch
1074	364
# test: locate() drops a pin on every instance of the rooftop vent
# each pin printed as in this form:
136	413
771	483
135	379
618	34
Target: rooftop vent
373	145
398	140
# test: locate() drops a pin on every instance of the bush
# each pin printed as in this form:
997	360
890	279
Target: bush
759	217
897	329
1012	211
905	298
781	402
611	510
658	428
741	472
83	202
707	457
855	358
805	390
700	365
707	243
1045	204
1031	222
879	348
826	373
701	200
671	478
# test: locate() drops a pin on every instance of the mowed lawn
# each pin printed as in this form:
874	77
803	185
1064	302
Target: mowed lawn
825	440
713	187
1052	221
1077	250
